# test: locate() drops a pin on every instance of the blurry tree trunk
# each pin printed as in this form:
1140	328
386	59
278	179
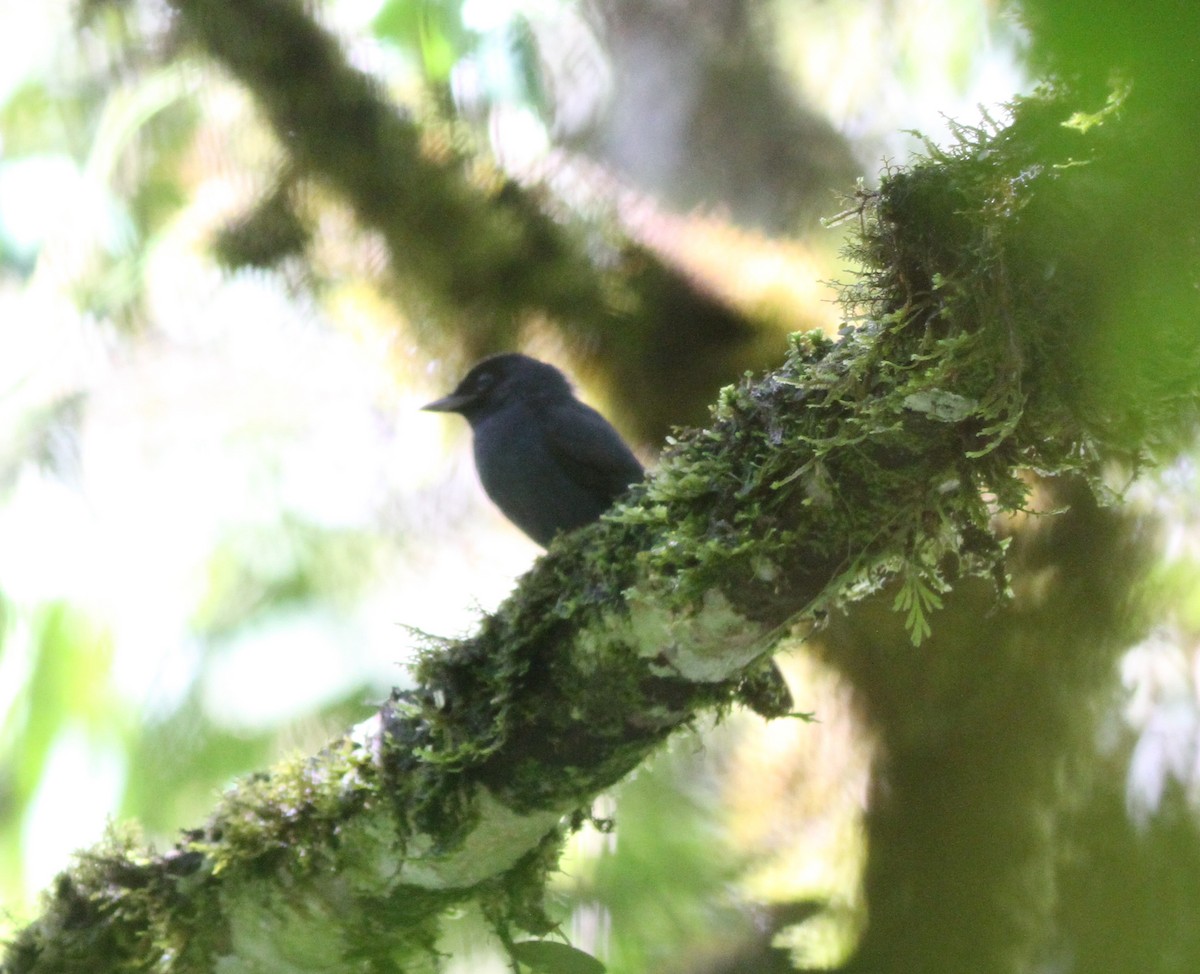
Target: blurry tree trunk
698	115
986	739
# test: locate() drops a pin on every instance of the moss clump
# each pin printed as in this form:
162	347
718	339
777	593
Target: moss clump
974	352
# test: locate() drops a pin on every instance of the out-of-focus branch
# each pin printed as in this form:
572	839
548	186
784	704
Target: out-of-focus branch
482	250
471	246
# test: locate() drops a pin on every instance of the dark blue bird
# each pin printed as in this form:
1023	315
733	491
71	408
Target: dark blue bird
547	460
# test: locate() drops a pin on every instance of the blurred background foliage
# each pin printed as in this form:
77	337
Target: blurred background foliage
224	524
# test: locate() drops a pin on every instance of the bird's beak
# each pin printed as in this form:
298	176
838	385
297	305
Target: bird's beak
448	404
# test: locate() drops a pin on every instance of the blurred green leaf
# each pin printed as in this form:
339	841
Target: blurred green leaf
430	29
551	957
68	685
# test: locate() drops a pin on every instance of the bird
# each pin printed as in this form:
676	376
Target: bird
549	462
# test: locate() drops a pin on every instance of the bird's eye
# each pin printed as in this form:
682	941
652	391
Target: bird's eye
484	381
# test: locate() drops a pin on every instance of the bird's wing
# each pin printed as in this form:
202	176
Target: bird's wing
586	445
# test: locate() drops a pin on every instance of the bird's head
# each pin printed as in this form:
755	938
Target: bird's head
500	380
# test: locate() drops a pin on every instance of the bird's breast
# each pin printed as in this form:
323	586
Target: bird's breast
535	488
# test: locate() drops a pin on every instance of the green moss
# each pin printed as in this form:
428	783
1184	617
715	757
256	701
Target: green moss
883	455
296	805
